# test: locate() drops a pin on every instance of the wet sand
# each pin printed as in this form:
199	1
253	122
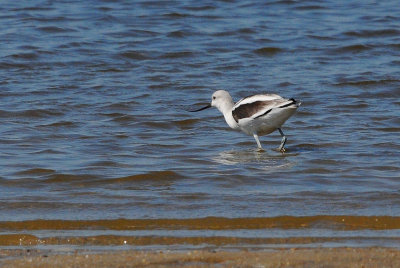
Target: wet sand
318	257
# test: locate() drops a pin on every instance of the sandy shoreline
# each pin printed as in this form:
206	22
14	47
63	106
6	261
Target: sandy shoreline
317	257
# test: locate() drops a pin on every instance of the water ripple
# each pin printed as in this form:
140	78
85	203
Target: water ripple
94	108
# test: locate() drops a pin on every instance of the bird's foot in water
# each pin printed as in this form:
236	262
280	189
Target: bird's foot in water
280	150
260	150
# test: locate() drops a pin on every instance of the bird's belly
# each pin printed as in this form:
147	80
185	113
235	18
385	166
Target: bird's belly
266	124
259	128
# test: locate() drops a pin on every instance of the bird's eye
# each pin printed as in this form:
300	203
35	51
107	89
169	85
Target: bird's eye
214	98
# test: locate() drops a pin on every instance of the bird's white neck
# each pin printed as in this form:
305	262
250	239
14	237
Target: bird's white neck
226	109
230	120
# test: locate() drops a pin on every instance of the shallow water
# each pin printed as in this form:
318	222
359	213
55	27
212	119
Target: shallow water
94	123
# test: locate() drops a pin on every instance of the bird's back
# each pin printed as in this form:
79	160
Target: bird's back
263	113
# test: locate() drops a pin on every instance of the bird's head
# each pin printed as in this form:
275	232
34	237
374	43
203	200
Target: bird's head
221	100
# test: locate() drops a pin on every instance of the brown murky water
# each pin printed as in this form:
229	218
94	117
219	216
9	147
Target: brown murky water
210	231
97	149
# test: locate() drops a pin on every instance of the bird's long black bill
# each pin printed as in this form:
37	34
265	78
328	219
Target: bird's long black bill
201	109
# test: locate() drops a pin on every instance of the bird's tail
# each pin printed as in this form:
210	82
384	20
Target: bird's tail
295	102
291	102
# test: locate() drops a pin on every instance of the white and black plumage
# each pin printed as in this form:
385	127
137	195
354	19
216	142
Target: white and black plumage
255	115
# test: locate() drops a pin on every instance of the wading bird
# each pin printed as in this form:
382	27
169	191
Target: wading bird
255	115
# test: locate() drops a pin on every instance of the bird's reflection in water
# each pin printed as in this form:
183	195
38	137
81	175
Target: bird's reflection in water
261	160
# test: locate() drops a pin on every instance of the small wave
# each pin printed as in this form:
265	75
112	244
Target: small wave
46	152
223	34
104	8
54	29
90	180
351	49
176	15
381	94
179	54
326	162
18	65
162	86
388	129
74	45
268	51
285	84
121	118
229	67
142	33
34	8
111	70
178	34
200	8
60	124
394	46
25	56
318	37
281	2
102	164
150	176
373	33
349	107
126	105
68	178
107	18
385	168
303	113
317	171
36	171
37	113
158	124
310	7
247	31
319	146
134	55
363	83
185	123
40	113
113	115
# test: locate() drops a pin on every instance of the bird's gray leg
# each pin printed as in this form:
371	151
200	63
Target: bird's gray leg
283	141
258	142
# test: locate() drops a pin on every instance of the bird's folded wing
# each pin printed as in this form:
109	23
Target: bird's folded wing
254	98
258	107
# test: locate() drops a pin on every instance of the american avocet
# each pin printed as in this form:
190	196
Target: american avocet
255	115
